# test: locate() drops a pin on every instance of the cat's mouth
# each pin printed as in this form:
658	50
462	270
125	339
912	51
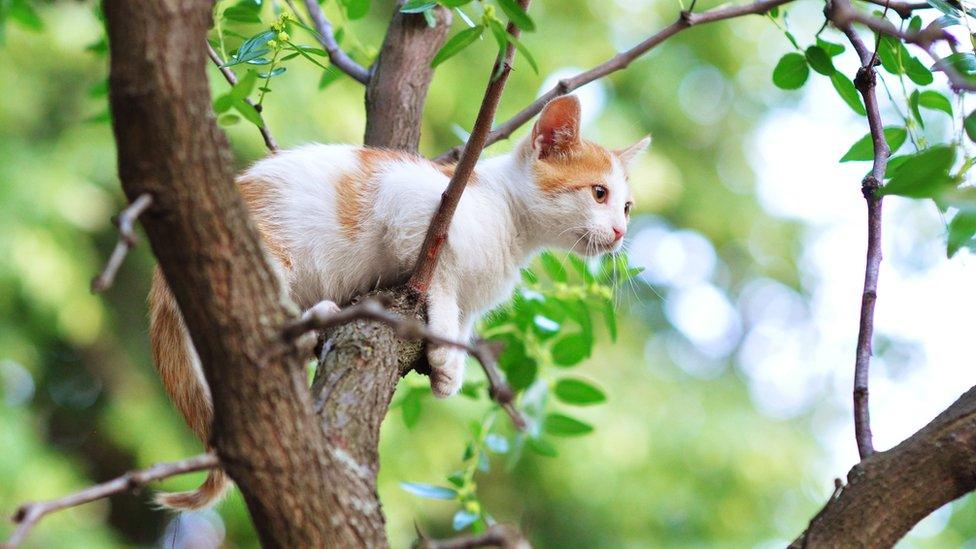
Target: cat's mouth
590	245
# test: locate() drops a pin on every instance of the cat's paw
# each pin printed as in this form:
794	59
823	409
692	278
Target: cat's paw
322	309
446	371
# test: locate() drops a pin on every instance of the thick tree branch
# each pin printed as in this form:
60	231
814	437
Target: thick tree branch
265	430
903	9
397	88
232	80
504	536
890	492
338	57
615	63
127	239
29	514
439	225
412	329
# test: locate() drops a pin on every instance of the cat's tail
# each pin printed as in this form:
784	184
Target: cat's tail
182	376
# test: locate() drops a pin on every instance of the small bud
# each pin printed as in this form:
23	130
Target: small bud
283	36
273	44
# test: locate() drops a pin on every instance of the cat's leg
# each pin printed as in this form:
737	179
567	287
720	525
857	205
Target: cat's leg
446	363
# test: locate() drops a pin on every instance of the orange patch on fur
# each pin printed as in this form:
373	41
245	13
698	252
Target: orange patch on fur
574	168
257	195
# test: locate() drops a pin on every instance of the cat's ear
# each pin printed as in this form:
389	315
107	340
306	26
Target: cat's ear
628	154
558	127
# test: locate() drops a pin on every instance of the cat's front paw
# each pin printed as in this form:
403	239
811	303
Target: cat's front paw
446	371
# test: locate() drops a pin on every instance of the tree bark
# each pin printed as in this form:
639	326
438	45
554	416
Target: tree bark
890	492
397	89
266	433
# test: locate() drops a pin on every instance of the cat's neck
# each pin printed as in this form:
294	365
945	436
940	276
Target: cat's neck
509	179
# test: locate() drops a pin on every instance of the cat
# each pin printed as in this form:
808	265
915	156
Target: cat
339	220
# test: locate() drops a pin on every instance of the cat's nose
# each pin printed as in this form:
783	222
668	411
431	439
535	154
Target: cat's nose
618	233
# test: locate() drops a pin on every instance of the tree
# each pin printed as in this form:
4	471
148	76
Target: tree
284	446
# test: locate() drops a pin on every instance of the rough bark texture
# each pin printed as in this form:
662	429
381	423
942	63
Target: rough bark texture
300	492
397	89
890	492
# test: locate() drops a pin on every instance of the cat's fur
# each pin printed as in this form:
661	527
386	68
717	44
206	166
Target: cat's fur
341	220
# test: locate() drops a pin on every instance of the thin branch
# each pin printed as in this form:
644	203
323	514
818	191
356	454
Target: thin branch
505	536
903	9
405	328
29	514
232	80
127	239
338	57
844	15
865	82
616	63
437	232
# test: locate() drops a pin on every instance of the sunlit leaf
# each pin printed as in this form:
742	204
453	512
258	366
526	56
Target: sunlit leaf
457	43
578	391
962	228
571	349
565	426
845	88
429	491
791	71
517	15
819	60
863	149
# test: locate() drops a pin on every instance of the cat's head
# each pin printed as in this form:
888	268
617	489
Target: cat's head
582	198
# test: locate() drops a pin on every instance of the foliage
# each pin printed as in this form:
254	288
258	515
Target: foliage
931	171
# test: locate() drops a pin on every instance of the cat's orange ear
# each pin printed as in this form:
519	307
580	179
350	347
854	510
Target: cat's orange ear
628	154
558	127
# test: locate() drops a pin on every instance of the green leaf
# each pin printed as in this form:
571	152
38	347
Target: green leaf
429	491
863	149
410	408
457	43
579	392
889	55
300	50
242	14
24	14
417	6
962	228
524	51
915	69
915	24
517	15
356	9
832	49
924	174
581	267
934	100
520	369
249	113
819	60
329	76
845	88
571	349
916	112
969	123
244	86
791	71
610	319
228	119
542	447
553	267
565	426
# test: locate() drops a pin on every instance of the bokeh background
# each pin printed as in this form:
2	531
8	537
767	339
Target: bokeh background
729	390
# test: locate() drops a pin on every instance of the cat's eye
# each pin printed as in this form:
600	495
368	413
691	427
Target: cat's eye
627	208
600	193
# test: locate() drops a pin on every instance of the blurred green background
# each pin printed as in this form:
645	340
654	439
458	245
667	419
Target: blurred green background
684	454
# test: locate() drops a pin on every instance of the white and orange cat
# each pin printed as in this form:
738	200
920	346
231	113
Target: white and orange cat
339	221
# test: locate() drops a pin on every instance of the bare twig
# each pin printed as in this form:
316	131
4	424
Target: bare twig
29	514
437	232
616	63
127	239
903	9
505	536
373	309
232	80
338	57
865	82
